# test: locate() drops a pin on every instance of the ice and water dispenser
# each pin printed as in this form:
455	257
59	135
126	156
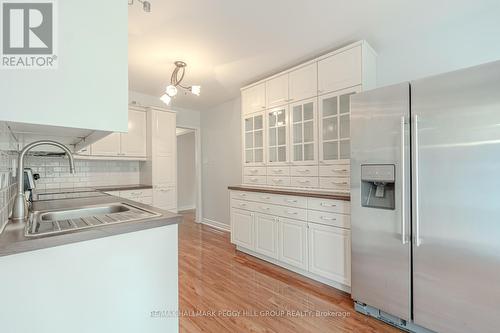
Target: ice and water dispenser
377	185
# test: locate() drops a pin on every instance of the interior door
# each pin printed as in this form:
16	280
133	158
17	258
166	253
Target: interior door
380	242
456	163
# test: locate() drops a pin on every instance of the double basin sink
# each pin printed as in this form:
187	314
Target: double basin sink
57	221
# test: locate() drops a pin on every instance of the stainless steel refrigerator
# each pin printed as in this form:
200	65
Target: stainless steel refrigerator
425	197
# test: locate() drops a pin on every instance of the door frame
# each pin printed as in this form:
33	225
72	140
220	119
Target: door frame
198	170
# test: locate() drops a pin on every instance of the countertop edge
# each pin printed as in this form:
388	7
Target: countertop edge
300	193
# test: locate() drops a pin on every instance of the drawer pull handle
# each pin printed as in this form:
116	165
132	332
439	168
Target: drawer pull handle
324	204
253	179
291	213
264	208
304	181
243	195
254	171
326	218
277	171
265	198
339	183
242	204
303	170
291	201
339	170
277	180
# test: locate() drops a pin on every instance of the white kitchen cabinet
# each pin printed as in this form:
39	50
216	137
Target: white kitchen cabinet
253	139
107	146
340	71
277	91
277	136
293	242
304	132
242	228
133	143
130	144
334	124
266	235
303	82
330	252
253	99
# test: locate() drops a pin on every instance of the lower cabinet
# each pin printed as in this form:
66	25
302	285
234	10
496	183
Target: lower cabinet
330	252
242	228
266	235
293	242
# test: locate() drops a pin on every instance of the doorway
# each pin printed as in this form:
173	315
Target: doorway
189	171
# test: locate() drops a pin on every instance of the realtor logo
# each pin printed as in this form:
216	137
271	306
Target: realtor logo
28	34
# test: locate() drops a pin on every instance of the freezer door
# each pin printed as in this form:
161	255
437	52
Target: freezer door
456	215
380	236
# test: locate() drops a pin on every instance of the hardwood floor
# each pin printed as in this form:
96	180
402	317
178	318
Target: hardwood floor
223	290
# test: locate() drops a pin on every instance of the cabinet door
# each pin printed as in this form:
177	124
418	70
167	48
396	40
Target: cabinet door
242	228
292	247
330	252
334	124
303	133
133	143
266	235
277	91
340	71
107	146
303	82
164	137
253	99
253	139
277	134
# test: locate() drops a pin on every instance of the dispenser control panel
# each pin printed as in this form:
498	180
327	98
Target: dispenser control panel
378	172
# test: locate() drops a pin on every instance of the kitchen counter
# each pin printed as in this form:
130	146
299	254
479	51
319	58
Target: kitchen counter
13	240
300	193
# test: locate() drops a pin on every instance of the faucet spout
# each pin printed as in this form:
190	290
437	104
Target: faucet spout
19	209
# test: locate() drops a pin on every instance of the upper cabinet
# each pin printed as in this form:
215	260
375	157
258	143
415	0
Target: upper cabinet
253	99
303	82
89	87
300	136
277	91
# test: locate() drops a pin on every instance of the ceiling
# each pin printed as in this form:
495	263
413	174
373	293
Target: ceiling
228	44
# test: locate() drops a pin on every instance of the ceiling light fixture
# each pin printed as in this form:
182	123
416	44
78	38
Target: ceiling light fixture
146	5
175	81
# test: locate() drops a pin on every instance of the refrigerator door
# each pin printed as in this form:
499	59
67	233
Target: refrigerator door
380	230
456	207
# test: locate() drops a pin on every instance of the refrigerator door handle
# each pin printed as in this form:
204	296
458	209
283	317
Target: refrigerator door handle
403	177
415	180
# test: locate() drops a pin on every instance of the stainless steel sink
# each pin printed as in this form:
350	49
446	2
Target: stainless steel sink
67	195
42	223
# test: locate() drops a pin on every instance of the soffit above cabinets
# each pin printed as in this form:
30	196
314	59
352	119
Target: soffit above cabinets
74	138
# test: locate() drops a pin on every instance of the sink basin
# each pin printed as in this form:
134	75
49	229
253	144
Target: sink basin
83	212
43	223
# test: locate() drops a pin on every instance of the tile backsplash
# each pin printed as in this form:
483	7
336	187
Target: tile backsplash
54	172
8	183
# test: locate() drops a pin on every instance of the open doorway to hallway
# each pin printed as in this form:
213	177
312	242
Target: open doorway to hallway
188	182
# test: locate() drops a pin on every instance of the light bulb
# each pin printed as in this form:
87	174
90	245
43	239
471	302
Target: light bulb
196	90
171	90
165	99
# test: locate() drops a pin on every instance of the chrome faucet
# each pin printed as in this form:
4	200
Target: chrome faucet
19	209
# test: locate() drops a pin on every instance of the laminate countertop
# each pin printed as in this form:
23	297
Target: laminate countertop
14	241
300	193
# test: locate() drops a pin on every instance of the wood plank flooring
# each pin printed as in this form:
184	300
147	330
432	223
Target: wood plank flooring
224	290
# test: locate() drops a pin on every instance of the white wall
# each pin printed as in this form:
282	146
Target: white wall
221	157
186	171
185	117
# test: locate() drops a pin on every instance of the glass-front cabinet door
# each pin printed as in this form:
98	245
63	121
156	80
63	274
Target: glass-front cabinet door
253	141
277	134
303	132
334	124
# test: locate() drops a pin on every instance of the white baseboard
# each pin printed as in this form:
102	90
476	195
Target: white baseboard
217	225
183	208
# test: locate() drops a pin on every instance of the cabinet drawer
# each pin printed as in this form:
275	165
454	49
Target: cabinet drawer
304	171
333	219
283	200
289	212
278	171
254	180
241	204
304	181
335	183
278	181
339	170
240	195
326	205
254	171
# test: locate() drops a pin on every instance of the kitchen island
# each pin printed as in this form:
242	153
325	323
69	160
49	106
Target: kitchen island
119	277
